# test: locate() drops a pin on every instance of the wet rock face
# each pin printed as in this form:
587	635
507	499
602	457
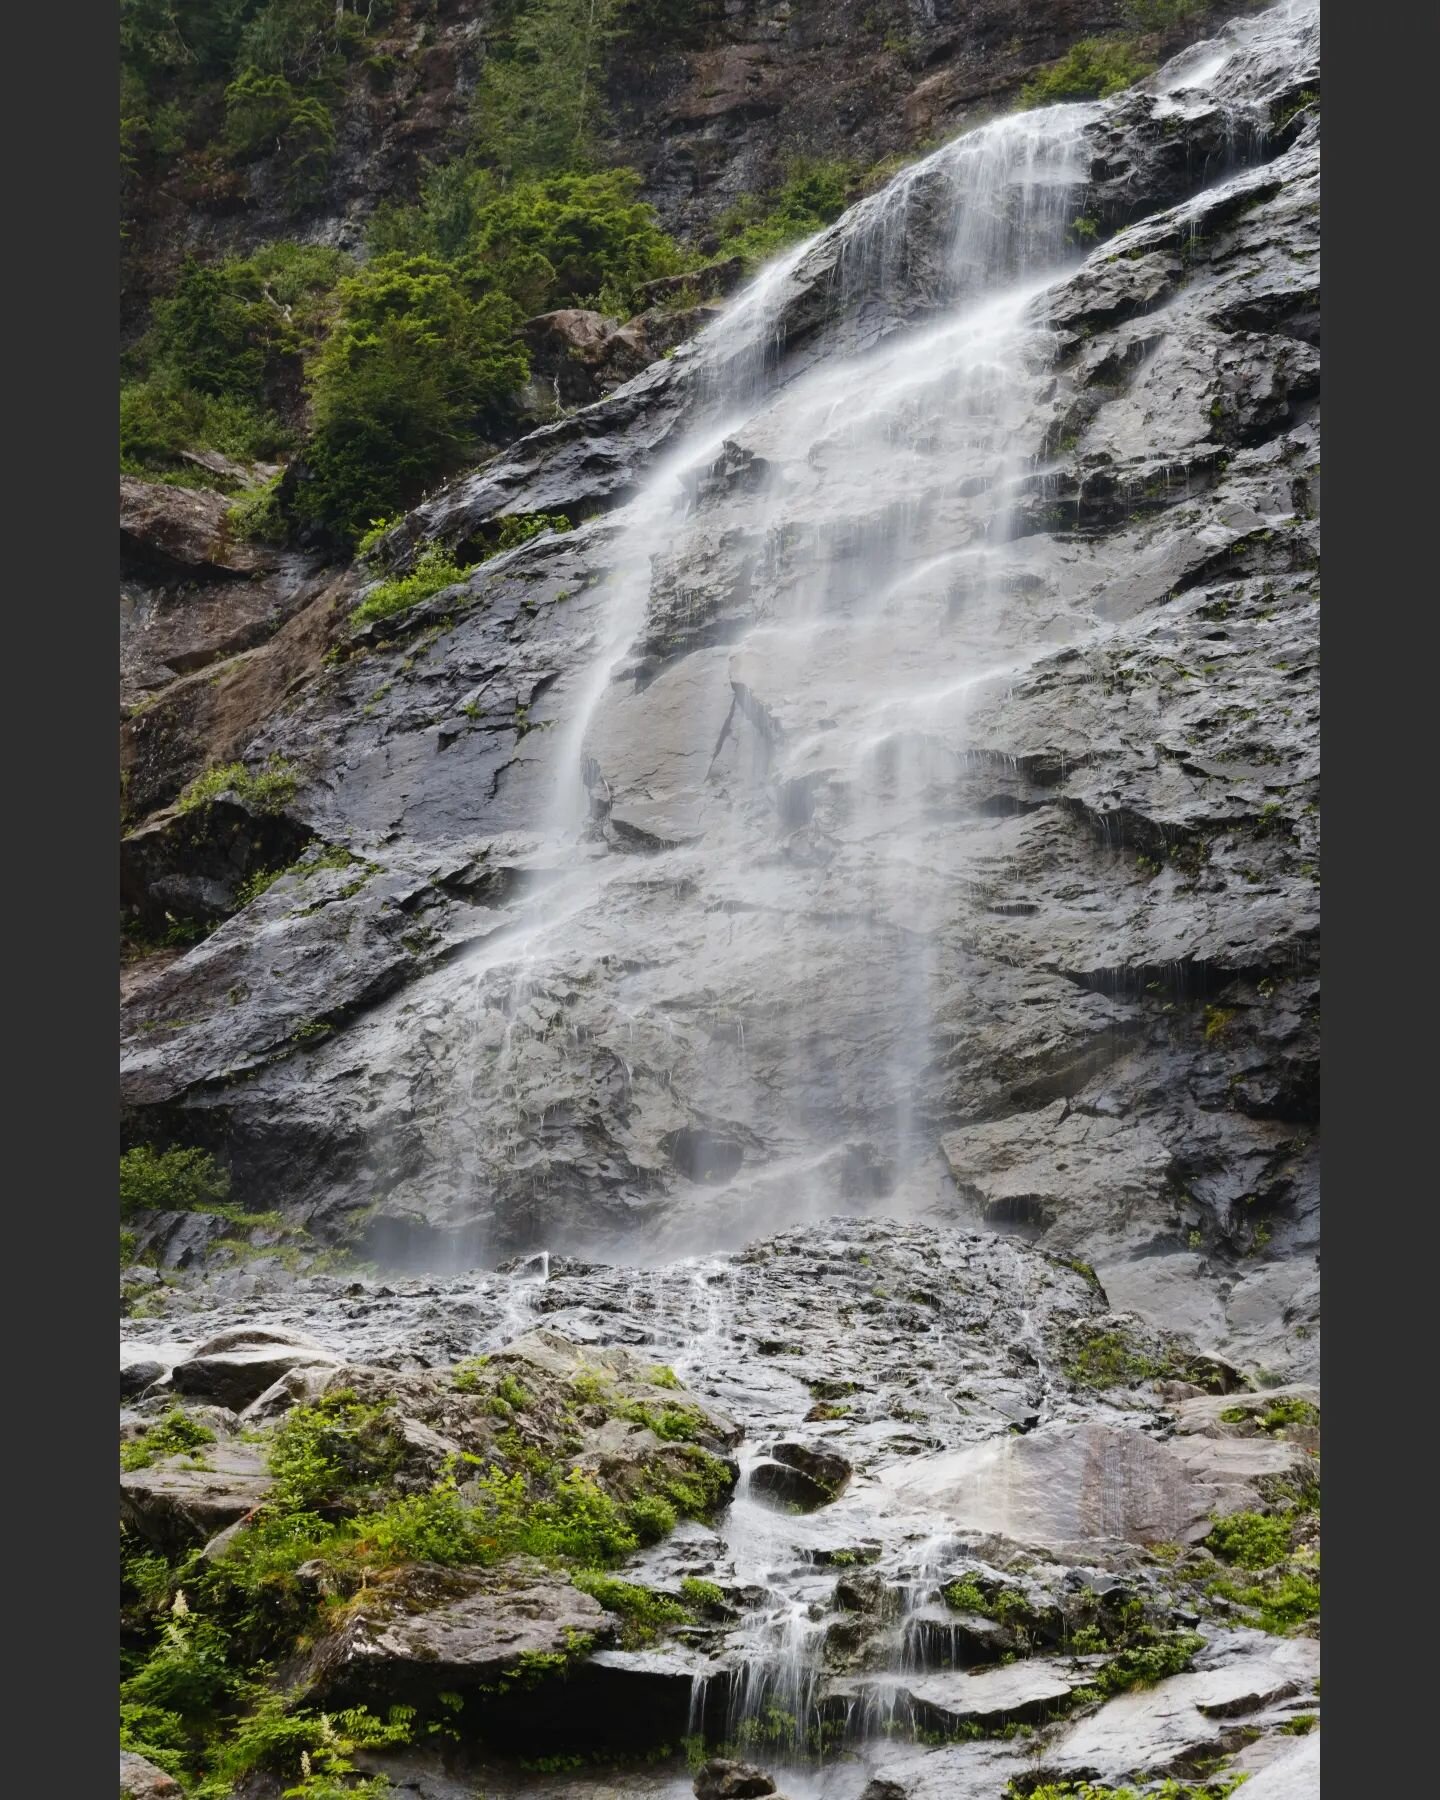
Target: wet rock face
725	1779
193	594
1000	1545
951	807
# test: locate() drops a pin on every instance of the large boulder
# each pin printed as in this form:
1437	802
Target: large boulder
430	1630
141	1780
238	1366
723	1778
179	1501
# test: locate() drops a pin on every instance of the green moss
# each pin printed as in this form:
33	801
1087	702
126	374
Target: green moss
1108	1359
675	1424
1217	1020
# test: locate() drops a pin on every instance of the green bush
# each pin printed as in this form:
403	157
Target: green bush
539	96
258	515
1251	1539
705	1596
412	369
650	1518
562	240
646	1613
159	418
269	791
157	1734
321	1452
435	568
436	1527
265	114
569	239
1092	69
812	195
170	1180
202	334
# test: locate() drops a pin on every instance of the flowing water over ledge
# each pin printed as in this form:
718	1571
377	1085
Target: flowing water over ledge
772	789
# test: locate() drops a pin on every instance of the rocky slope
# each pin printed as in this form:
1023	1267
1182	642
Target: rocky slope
974	1524
896	800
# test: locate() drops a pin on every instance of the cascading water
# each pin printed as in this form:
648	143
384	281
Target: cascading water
737	983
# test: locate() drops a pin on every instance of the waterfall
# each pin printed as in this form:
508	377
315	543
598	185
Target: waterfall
765	792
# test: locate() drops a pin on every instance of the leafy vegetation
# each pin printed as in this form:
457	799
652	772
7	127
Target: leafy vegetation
1170	1789
382	380
1278	1416
1090	70
174	1435
1283	1592
645	1612
175	1180
204	1634
813	194
414	366
269	791
435	568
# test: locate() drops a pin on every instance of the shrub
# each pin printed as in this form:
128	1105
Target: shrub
540	91
170	1180
411	369
201	334
1092	69
258	515
560	241
264	113
269	791
812	195
650	1518
160	417
1251	1539
435	568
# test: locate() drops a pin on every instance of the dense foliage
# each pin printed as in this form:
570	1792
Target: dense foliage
377	381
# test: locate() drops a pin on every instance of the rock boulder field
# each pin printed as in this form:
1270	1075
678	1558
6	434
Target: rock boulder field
751	1063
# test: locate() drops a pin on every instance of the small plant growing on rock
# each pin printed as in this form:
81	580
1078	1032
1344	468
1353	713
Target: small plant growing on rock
269	791
435	569
174	1435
